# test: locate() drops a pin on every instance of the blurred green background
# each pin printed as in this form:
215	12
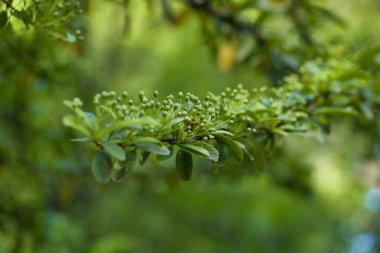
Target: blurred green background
313	196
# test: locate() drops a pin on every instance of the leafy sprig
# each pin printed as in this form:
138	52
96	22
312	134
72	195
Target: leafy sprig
238	121
54	18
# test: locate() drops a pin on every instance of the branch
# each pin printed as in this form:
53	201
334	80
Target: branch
10	6
206	8
236	120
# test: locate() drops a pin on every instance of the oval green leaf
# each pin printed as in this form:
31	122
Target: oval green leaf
343	111
122	169
184	164
101	166
152	145
165	157
114	150
222	132
213	152
74	122
196	150
235	147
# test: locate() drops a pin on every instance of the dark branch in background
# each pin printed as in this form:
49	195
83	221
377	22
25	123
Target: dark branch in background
206	8
301	25
10	6
167	11
229	19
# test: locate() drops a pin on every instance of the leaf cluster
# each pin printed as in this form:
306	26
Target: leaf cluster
237	122
54	18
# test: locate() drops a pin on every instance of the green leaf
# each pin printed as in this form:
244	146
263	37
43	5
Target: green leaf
184	164
234	146
122	169
165	157
144	157
90	120
222	150
335	111
25	16
3	19
114	150
214	154
85	139
132	123
151	144
222	132
181	135
202	152
101	166
148	139
366	109
279	131
248	148
73	122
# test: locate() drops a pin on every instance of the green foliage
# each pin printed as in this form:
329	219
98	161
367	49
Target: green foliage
45	16
52	50
304	104
184	164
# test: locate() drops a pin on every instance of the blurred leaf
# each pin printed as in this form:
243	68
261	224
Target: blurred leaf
326	13
222	132
223	155
130	123
3	19
90	120
101	166
213	152
122	169
165	157
73	122
348	111
226	56
151	144
235	146
197	150
367	110
144	157
181	135
114	150
82	140
184	164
